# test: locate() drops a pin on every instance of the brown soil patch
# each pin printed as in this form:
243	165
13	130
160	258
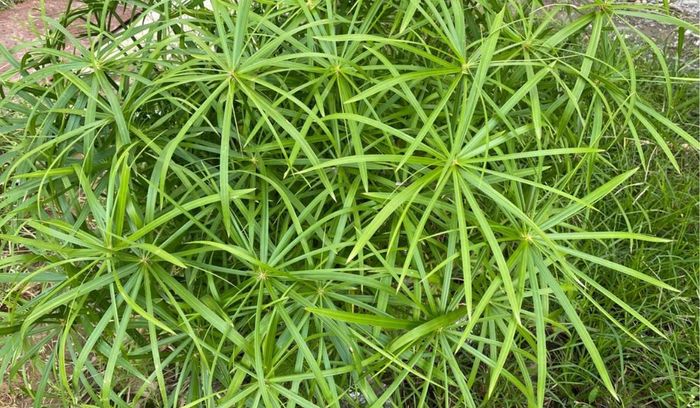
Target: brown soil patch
20	23
9	399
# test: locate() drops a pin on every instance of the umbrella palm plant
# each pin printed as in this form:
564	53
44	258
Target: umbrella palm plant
316	203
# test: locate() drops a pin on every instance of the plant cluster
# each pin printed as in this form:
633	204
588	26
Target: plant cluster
8	3
328	203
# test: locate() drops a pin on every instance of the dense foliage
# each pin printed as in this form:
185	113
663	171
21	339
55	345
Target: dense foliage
339	203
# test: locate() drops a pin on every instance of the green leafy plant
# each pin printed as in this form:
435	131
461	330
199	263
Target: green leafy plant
8	3
324	203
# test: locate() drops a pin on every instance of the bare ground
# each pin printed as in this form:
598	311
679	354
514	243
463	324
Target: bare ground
21	24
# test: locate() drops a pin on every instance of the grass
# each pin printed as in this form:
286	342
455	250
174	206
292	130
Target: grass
350	204
656	371
8	3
